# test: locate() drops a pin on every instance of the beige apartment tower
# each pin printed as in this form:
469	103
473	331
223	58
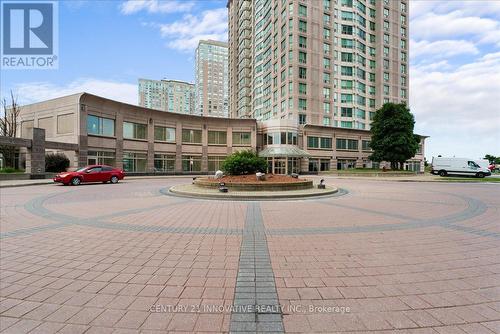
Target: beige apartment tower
167	95
321	62
211	81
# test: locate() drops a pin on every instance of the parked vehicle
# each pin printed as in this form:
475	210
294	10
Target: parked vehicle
458	166
92	173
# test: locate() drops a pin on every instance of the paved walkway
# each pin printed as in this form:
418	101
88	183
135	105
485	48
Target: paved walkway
126	258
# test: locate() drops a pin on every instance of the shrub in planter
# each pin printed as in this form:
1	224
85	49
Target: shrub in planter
244	162
55	163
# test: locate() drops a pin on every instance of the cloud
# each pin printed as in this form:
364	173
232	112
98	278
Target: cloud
32	92
184	34
432	26
467	7
458	108
441	49
155	6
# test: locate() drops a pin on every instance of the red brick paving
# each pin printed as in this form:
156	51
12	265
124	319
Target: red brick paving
78	278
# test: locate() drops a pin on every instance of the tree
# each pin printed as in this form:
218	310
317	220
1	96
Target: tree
56	162
243	162
392	135
492	159
8	128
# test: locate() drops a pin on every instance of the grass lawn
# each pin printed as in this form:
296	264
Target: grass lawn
469	179
369	171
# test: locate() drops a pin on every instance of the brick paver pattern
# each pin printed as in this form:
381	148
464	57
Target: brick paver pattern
129	258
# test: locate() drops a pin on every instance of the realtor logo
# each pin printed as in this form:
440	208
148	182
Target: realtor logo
29	35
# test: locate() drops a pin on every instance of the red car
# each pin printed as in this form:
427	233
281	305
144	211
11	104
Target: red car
92	173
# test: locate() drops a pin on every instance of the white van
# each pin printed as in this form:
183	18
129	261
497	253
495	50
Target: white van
458	166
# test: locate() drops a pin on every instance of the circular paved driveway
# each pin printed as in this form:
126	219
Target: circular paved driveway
418	257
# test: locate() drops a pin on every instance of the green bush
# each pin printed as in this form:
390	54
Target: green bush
243	162
10	170
55	163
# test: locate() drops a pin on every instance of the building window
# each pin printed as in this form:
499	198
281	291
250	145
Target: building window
346	98
365	145
326	33
95	157
346	84
302	73
345	112
347	144
134	130
302	42
302	119
346	70
302	57
302	104
164	162
386	26
134	162
191	163
191	136
319	142
346	56
302	88
215	162
326	121
347	43
302	10
217	137
346	124
241	138
163	133
100	126
326	63
326	107
326	92
302	26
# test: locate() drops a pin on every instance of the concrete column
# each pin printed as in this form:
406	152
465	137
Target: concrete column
151	147
229	140
119	140
204	149
178	148
35	156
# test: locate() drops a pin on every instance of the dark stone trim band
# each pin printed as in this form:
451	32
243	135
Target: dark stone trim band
256	307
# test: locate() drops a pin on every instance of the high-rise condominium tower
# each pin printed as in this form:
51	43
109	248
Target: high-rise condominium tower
321	62
167	95
211	86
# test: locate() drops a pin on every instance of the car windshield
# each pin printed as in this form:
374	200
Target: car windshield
81	169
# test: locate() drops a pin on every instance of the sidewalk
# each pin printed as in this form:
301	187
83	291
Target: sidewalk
23	183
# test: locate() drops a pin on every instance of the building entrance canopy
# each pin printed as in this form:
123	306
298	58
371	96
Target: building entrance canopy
287	151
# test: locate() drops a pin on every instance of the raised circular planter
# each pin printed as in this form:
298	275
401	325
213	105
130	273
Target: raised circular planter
268	185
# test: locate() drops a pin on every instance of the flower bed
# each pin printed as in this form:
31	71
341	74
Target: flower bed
250	182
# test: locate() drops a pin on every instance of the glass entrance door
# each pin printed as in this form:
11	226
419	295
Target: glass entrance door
279	165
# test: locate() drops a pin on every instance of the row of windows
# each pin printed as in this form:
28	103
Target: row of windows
341	144
277	138
102	126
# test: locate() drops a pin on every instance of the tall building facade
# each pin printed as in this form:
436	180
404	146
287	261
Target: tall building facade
211	79
167	95
328	62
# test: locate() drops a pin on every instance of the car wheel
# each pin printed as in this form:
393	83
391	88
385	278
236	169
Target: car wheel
114	179
442	173
75	181
480	175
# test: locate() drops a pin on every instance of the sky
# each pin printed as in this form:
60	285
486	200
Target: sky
105	46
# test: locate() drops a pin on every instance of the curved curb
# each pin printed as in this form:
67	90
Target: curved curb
231	197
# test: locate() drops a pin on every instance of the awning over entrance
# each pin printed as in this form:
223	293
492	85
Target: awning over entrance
283	152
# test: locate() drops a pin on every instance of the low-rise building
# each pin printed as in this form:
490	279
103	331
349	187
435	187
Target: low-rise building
142	140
